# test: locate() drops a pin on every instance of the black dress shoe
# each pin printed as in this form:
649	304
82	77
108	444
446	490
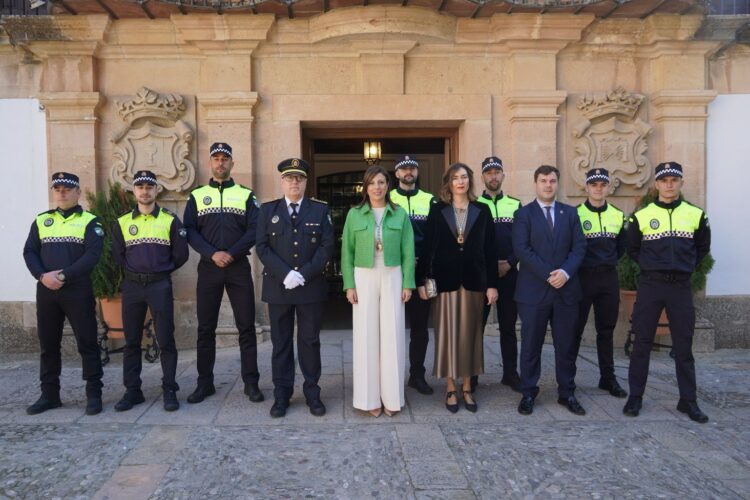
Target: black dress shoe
317	408
453	408
633	406
279	407
472	407
201	392
572	404
253	393
93	405
526	406
420	384
612	387
513	381
170	401
43	404
129	400
692	410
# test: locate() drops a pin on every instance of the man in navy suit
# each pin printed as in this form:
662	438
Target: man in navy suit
294	242
550	246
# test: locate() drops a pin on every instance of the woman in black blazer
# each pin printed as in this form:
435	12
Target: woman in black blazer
459	254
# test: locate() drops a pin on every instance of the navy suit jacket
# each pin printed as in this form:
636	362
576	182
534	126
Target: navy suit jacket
541	251
306	248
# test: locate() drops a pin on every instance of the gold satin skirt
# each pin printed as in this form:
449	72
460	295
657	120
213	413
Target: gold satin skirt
459	348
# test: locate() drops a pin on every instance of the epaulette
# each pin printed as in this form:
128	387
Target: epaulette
270	202
613	206
47	212
196	188
125	213
513	198
243	186
319	201
168	211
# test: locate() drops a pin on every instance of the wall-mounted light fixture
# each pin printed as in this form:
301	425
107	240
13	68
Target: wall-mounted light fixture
372	152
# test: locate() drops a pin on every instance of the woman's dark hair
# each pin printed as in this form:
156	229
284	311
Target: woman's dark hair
370	175
445	190
546	170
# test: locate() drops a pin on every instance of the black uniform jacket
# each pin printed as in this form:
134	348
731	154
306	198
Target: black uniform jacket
76	259
306	248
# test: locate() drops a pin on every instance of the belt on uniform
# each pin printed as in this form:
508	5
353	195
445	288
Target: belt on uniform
667	277
598	269
145	278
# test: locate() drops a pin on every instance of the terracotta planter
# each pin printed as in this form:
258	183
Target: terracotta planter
112	315
627	299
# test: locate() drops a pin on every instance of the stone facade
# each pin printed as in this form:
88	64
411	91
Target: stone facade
561	89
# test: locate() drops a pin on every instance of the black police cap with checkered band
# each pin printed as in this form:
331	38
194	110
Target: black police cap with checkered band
597	174
221	147
492	162
668	169
144	177
406	161
65	179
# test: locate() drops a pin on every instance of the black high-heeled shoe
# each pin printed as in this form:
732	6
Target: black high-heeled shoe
472	407
451	408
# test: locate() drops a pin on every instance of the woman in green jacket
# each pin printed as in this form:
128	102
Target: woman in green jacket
377	262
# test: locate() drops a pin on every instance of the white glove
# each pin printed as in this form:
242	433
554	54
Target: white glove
293	280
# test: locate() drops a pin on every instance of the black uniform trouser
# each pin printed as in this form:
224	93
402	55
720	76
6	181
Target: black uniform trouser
507	314
418	312
601	288
653	296
137	299
534	319
52	307
309	318
238	281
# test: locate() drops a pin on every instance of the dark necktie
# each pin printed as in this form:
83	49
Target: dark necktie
549	218
294	212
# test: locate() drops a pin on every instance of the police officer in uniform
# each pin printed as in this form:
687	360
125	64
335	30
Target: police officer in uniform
417	203
502	208
61	250
149	243
295	241
603	226
668	239
220	218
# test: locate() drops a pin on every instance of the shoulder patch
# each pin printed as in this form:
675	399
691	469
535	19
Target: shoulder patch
98	230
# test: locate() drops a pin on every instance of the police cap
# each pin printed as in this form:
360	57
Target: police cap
406	161
65	179
221	147
492	162
144	177
668	169
597	174
294	166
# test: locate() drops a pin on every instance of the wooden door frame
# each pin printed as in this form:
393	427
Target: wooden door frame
311	133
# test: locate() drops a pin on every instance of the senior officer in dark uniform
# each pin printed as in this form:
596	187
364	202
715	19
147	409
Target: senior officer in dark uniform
63	246
604	228
668	239
220	219
503	208
149	243
417	204
295	241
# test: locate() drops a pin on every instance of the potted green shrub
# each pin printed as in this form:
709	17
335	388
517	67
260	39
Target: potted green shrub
107	276
629	272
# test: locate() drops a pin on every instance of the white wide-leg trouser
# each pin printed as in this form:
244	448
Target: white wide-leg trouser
378	345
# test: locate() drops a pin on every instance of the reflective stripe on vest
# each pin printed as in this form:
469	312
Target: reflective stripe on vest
606	224
211	200
503	209
146	229
417	206
54	228
656	222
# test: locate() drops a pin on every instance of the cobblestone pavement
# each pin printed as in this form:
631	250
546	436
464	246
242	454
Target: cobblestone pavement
228	447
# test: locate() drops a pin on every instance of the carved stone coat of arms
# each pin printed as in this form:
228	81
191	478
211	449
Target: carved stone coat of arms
612	137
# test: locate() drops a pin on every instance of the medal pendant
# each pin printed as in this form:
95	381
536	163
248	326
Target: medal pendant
460	239
378	246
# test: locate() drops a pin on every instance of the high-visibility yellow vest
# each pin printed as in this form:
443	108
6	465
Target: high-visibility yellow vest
54	228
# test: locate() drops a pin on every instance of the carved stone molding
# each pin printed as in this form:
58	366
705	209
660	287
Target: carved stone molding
611	136
154	138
